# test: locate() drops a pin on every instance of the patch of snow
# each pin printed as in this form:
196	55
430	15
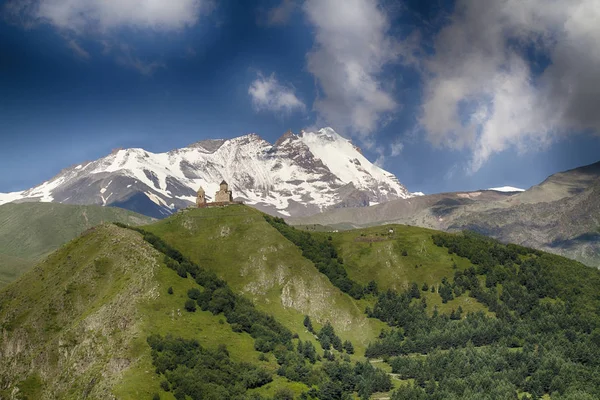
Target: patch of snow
155	199
79	167
507	189
344	161
416	194
10	197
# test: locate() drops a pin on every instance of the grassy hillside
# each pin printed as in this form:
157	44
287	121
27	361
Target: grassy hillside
70	323
76	325
239	246
395	256
30	231
560	215
452	316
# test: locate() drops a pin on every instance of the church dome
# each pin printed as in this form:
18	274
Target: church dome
200	191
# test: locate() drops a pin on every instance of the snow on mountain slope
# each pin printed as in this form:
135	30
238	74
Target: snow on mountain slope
9	197
507	189
298	175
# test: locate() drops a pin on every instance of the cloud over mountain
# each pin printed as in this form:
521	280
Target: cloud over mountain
352	46
102	21
268	94
513	73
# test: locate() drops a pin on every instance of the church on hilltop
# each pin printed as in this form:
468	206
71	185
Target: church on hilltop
223	197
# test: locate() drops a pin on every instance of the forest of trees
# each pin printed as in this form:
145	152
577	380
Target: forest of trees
202	373
544	338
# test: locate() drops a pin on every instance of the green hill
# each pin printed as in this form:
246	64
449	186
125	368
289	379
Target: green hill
242	248
228	303
30	231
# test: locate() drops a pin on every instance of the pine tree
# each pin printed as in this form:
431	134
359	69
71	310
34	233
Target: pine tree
348	347
308	324
190	305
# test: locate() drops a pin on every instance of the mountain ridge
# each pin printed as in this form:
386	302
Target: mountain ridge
560	215
300	174
30	231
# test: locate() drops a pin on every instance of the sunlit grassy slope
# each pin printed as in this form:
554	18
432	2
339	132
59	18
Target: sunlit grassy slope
78	322
397	255
30	231
242	248
68	324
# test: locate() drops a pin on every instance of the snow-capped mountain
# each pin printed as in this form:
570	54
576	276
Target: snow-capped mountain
300	174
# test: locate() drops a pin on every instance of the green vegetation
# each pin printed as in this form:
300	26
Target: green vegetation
31	231
256	261
69	322
202	373
543	341
219	302
186	365
322	253
217	297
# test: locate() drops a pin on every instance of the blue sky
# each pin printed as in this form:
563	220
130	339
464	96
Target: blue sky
443	94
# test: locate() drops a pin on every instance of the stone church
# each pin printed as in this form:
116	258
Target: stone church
222	198
224	194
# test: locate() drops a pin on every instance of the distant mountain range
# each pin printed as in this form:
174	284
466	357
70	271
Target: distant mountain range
322	178
560	215
301	174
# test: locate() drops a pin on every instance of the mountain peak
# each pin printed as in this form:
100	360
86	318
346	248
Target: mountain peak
301	174
288	135
210	145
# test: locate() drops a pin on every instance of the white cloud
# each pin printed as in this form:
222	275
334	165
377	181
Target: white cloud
352	46
126	58
268	94
482	93
383	154
396	148
103	15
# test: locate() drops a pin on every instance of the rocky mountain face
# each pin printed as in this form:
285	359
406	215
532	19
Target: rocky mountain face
301	174
569	226
560	215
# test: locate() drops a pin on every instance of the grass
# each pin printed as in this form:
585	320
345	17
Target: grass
165	315
83	316
31	231
72	316
377	254
242	248
84	313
